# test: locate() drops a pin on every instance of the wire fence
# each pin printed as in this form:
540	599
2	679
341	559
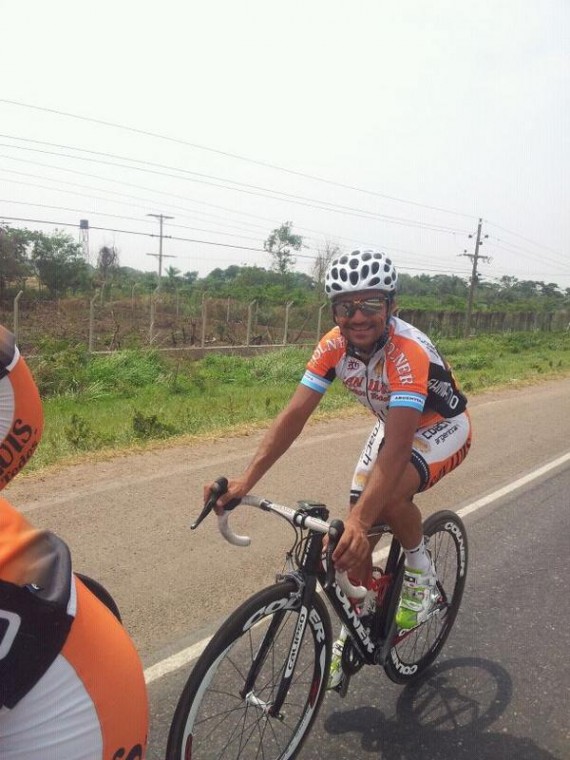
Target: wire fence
166	322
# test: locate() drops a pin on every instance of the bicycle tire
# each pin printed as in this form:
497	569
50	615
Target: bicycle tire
413	652
213	720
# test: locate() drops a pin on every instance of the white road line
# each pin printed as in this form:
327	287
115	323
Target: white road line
182	658
513	486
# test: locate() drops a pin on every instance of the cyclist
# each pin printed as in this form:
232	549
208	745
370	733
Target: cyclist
421	433
71	682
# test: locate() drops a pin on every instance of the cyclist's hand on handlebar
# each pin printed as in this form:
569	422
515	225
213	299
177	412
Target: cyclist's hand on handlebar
236	490
353	548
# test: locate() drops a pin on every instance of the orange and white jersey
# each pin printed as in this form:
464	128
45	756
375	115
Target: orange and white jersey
407	371
21	415
71	682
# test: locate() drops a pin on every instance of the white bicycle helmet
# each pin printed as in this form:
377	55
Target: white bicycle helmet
360	270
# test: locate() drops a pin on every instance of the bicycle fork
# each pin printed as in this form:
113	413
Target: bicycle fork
306	584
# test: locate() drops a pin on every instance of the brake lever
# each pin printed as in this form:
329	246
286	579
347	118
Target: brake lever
336	529
218	489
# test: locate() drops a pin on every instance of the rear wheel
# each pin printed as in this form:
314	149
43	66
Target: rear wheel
225	708
413	651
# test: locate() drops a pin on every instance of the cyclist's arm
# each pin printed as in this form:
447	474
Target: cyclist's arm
279	437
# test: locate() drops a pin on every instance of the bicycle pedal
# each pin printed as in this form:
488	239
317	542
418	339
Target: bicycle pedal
342	687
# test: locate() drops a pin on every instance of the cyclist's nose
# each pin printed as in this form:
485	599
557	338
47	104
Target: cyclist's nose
357	312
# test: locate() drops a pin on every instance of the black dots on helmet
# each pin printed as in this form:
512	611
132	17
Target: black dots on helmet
362	269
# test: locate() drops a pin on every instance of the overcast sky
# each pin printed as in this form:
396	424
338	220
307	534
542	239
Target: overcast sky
388	124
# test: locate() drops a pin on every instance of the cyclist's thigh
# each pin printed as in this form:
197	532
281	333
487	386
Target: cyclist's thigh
366	461
440	448
92	701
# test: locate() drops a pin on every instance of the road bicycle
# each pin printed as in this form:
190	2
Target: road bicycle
257	687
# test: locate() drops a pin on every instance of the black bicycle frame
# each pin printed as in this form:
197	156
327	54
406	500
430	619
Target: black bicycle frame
372	646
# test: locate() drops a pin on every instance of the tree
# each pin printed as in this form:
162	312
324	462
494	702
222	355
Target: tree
59	263
14	266
280	244
190	277
107	264
325	255
172	279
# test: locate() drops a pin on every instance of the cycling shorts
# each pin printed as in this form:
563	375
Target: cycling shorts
21	415
91	703
437	449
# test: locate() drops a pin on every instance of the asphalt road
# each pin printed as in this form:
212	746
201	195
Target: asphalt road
126	520
500	688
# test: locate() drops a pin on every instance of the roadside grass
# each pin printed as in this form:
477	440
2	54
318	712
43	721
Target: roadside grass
100	405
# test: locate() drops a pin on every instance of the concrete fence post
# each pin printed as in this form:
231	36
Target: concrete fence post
204	320
319	320
286	330
153	300
17	314
249	321
92	321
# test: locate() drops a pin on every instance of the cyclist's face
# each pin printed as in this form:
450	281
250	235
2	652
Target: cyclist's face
362	317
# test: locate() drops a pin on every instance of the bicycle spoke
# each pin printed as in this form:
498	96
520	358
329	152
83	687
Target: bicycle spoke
414	651
226	723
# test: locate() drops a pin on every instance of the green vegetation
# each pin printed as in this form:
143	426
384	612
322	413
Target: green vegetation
56	265
131	398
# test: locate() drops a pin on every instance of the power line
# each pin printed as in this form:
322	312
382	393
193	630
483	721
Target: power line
520	251
193	240
242	188
130	218
117	216
528	240
352	240
257	162
232	155
147	201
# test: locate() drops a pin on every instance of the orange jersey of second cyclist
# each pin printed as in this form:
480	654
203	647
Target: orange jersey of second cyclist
21	417
408	371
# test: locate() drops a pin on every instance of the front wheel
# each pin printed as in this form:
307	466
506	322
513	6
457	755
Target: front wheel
225	708
414	651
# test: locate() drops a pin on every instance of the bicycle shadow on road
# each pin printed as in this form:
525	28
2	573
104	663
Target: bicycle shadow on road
445	716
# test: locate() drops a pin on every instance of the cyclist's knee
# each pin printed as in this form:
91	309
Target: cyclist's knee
397	510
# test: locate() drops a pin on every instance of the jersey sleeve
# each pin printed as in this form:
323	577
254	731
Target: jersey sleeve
408	372
321	367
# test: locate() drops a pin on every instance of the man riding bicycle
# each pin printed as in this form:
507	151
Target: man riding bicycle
422	431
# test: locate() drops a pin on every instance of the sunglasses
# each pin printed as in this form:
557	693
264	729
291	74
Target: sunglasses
368	306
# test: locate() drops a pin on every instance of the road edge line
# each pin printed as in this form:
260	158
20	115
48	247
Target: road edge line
178	660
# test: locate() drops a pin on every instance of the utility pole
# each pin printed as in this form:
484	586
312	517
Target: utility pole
475	258
160	254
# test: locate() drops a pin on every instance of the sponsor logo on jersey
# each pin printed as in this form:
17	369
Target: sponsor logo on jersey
444	390
15	450
430	432
401	363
